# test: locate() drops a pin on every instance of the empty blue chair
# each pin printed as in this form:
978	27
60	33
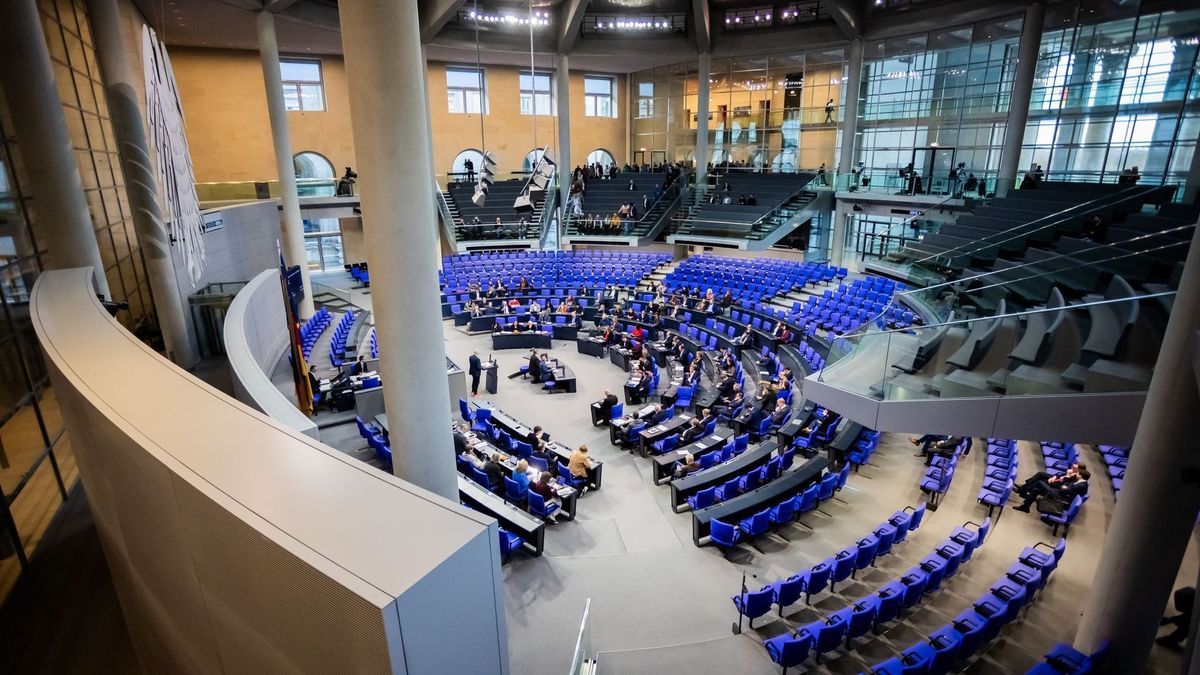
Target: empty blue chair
828	634
1045	560
465	410
953	553
893	666
808	498
723	534
480	477
886	536
753	604
683	397
509	542
862	617
703	498
784	511
1064	520
901	520
728	490
891	601
740	443
971	626
918	514
790	649
935	566
818	578
828	484
514	492
971	539
917	658
867	546
539	464
538	506
1030	577
709	459
788	592
786	459
617	411
665	445
750	481
756	524
522	449
947	647
843	566
915	581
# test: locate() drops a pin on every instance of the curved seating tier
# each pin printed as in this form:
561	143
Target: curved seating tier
582	269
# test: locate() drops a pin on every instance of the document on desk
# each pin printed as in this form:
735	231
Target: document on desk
681	453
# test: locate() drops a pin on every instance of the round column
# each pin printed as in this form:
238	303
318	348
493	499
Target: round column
291	226
704	72
47	153
853	92
140	184
565	166
384	73
1022	91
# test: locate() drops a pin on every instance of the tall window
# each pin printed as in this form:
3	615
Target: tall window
466	90
599	96
645	103
302	84
536	98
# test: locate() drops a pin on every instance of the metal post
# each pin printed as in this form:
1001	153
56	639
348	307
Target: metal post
704	72
565	167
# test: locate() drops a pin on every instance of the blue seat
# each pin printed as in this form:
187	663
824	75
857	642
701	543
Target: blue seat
784	511
1030	577
740	443
935	566
723	534
750	481
1046	561
539	464
753	604
683	397
828	484
522	449
665	445
971	539
788	591
862	617
703	498
509	542
482	478
709	459
633	436
891	601
867	548
728	490
1065	519
886	536
953	553
808	498
917	658
617	411
971	626
565	476
789	649
513	492
947	647
827	634
818	578
756	524
893	666
843	566
538	506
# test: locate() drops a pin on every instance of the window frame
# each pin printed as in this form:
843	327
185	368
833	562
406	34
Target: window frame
532	95
297	86
591	101
463	92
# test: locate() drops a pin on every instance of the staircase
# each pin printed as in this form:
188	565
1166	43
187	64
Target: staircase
690	226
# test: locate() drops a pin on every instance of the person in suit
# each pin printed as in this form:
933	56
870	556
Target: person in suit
547	370
494	473
693	433
606	404
781	411
580	465
474	369
360	366
706	417
461	445
742	339
534	438
653	416
689	465
1063	488
535	366
727	384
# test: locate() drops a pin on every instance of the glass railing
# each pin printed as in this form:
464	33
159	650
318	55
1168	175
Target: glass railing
359	297
1033	352
753	229
605	225
973	185
266	189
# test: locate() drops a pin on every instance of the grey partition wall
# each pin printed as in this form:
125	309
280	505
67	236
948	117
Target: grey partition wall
239	545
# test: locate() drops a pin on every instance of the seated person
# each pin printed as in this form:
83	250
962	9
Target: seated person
544	488
521	475
605	405
727	404
654	416
706	416
780	412
462	445
727	384
693	433
535	366
1063	488
547	370
821	420
494	473
944	447
580	465
742	339
689	465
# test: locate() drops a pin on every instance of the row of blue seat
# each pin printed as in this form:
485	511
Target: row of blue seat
360	274
937	478
980	624
1115	458
746	481
337	345
727	535
311	330
863	447
1064	659
1000	473
377	440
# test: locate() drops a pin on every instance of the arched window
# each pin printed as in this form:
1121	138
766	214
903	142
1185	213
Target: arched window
530	160
312	166
459	169
600	156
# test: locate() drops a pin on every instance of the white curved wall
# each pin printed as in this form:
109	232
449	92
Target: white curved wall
255	339
239	545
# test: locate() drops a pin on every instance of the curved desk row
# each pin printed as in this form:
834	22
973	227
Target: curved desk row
691	484
749	503
526	340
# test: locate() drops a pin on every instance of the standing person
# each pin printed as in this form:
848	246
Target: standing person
829	111
474	369
469	166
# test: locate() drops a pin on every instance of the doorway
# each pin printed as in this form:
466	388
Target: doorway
933	165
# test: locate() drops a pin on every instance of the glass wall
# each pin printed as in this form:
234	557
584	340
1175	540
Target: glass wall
778	112
323	244
936	100
1117	94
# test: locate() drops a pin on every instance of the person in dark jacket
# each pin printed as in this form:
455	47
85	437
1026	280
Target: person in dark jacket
474	369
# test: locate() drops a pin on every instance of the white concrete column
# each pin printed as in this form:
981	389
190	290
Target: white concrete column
565	166
45	143
1022	91
704	72
140	185
837	237
1159	501
852	88
291	227
384	71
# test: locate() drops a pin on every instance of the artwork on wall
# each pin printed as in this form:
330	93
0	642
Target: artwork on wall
173	161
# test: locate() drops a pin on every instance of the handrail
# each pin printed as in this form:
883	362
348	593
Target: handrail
1058	216
635	224
1026	312
444	213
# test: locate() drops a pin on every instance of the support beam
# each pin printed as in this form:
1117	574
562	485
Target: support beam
141	188
848	15
291	227
1022	91
1155	517
46	148
566	24
435	14
702	25
852	92
703	74
565	166
384	76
